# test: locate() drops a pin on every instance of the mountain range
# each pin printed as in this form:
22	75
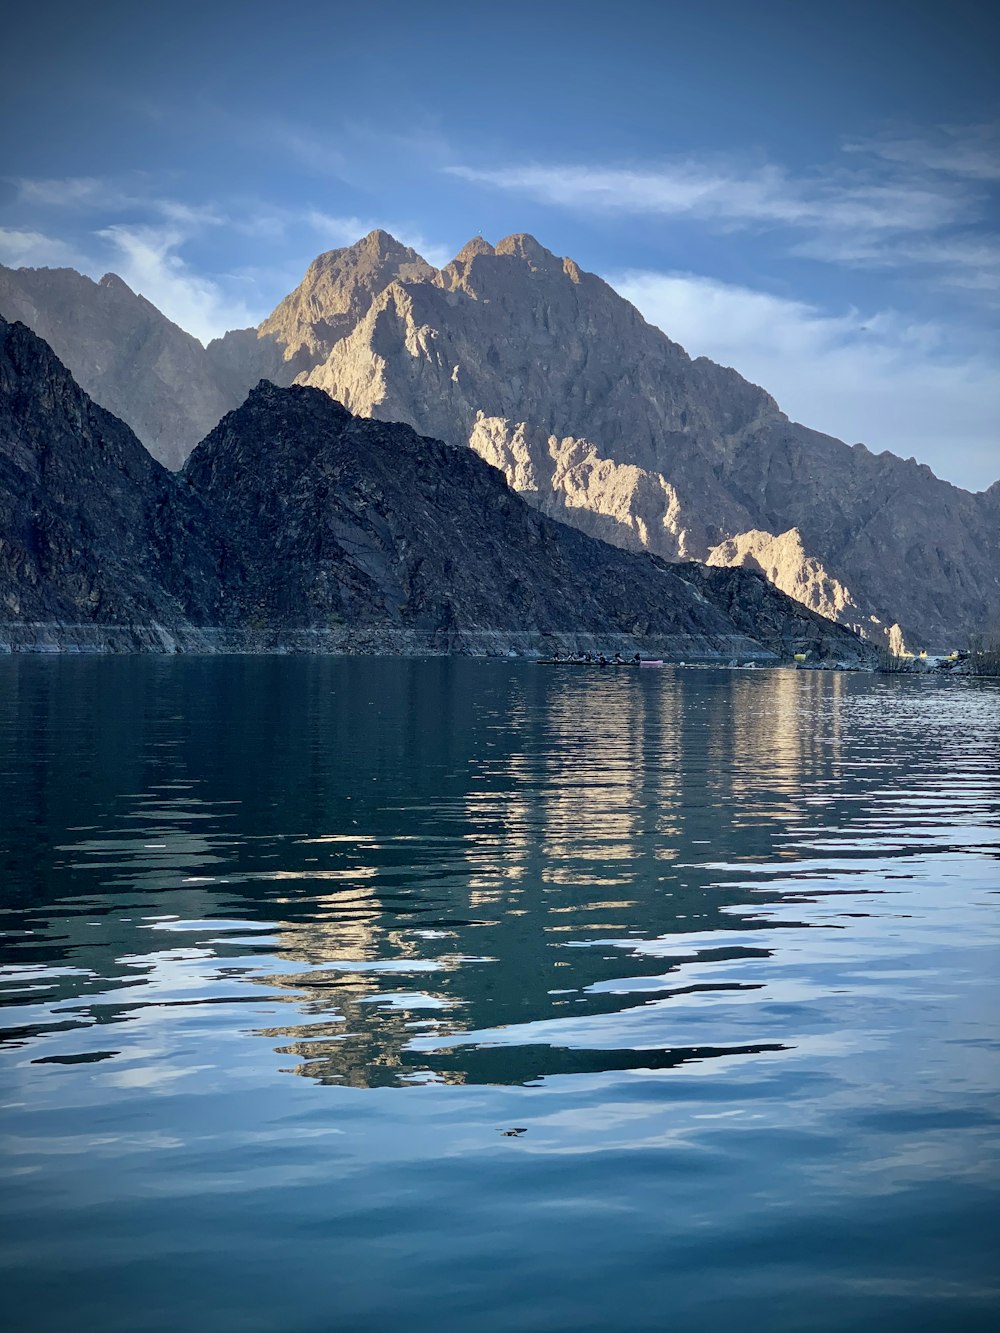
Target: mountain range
593	415
296	526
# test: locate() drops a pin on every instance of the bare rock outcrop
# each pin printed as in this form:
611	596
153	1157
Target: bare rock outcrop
297	527
337	292
783	560
605	423
593	414
93	531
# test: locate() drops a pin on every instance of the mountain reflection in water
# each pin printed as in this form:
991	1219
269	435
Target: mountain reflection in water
594	899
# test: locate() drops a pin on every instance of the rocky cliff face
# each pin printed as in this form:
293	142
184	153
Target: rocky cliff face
93	531
296	525
160	380
340	520
600	419
596	417
337	292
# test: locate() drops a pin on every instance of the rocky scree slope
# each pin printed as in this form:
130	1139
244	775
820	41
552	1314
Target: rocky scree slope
296	525
340	520
598	418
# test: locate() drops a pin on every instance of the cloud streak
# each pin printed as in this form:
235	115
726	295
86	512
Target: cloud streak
972	152
889	202
875	377
733	198
148	260
22	247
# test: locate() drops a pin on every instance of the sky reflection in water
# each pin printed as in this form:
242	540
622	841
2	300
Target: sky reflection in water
722	944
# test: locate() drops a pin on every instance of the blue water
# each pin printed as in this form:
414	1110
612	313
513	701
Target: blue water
291	947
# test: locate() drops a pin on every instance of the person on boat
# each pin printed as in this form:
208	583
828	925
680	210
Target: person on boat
602	660
556	657
588	658
636	658
619	660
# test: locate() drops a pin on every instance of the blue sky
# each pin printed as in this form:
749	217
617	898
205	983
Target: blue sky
805	191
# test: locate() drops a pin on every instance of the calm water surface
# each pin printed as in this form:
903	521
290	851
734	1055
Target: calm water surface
291	946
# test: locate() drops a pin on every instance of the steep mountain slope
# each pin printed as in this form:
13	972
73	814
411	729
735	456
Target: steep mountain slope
340	520
160	380
93	531
596	417
336	292
297	525
125	354
601	420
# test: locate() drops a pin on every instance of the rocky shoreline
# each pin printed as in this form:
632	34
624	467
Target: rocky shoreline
370	641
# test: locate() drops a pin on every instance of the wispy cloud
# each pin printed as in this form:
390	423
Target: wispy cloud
151	239
873	376
966	151
148	259
729	196
966	260
34	249
889	201
97	194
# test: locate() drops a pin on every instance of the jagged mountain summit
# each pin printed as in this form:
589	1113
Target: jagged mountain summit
298	526
336	292
601	421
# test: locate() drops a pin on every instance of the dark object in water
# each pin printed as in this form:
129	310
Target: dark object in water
600	661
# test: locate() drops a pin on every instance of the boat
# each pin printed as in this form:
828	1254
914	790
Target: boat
596	662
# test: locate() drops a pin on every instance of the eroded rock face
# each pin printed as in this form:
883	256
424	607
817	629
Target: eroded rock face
337	292
341	520
782	559
594	415
623	504
296	526
604	422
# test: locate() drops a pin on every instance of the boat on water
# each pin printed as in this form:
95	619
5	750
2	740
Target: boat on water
601	661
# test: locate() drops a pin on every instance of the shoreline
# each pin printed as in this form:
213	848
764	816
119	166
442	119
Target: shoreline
151	638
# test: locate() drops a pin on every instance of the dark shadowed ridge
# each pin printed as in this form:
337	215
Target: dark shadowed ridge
298	525
94	530
509	345
346	519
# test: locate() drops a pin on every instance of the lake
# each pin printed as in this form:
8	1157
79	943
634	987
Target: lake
362	994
